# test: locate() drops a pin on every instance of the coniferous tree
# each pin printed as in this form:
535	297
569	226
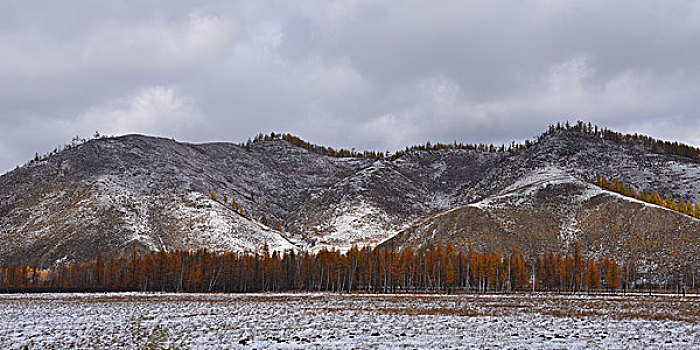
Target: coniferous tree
592	276
99	271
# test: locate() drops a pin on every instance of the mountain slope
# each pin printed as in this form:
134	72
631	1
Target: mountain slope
373	204
549	210
587	156
151	193
148	193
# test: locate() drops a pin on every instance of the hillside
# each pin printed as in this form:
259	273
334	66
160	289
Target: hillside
549	211
117	194
587	156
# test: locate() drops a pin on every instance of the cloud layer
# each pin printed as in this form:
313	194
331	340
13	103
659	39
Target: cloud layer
364	74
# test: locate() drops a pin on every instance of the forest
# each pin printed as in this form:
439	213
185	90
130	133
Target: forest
438	268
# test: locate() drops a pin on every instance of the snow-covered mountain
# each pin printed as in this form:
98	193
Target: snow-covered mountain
549	210
139	192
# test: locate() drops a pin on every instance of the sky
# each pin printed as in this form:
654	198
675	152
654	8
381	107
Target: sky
377	75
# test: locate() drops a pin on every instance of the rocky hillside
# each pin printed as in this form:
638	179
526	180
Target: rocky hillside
587	156
117	194
549	211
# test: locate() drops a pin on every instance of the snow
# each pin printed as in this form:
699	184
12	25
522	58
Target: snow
358	224
154	192
634	200
526	194
522	191
346	321
568	230
537	176
439	168
221	229
209	224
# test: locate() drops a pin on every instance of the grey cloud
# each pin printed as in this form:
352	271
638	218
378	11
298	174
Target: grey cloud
348	74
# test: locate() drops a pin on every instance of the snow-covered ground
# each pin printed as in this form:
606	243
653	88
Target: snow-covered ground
338	321
359	224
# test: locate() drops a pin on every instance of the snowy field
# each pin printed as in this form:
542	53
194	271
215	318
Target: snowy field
337	321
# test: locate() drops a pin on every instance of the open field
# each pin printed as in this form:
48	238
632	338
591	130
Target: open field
319	321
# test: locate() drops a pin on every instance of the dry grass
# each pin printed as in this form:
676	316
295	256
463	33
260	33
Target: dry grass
162	321
644	307
657	308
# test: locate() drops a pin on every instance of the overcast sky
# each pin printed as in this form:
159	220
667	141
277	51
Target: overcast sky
365	74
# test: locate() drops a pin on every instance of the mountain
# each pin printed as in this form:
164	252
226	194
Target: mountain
138	192
549	211
587	156
371	205
116	194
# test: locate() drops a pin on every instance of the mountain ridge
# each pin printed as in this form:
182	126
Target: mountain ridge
149	193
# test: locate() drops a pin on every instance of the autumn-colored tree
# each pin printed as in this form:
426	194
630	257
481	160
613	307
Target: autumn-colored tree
613	276
592	276
578	267
430	268
112	274
450	266
518	272
99	268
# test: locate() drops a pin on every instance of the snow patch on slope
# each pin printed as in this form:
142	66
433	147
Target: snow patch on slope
221	229
524	192
540	175
203	222
358	224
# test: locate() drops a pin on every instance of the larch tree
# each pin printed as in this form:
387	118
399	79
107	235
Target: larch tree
592	276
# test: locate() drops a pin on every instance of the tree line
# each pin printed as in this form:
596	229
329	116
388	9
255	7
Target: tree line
345	153
379	270
656	146
681	205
